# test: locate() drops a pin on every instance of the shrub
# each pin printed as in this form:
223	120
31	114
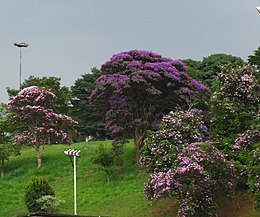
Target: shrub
49	203
37	188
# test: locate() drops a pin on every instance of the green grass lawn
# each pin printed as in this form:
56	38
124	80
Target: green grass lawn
121	197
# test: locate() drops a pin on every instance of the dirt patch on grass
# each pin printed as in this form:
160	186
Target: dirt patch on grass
240	205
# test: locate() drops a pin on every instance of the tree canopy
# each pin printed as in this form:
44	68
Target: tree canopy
136	88
211	66
51	84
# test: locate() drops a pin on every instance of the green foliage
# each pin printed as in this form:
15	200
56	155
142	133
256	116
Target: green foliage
108	160
91	123
247	152
37	187
6	148
51	84
212	65
254	60
193	68
49	204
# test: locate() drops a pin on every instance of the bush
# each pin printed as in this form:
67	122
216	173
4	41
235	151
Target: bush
49	204
37	188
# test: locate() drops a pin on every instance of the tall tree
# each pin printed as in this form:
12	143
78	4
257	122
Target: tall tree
91	123
136	88
211	66
52	84
35	120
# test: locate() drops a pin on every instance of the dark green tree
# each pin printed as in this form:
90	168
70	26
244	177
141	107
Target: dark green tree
6	148
254	60
51	84
91	123
211	66
193	68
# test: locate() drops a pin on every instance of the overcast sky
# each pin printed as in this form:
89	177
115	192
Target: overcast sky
69	37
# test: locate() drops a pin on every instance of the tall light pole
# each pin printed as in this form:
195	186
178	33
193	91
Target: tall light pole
75	154
20	45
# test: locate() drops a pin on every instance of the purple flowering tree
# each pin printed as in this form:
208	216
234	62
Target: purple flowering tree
35	120
136	88
184	165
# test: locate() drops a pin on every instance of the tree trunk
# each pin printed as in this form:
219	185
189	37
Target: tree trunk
39	156
2	167
139	135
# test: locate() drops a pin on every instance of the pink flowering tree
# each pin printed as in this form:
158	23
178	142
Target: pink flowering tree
184	165
136	88
35	120
234	106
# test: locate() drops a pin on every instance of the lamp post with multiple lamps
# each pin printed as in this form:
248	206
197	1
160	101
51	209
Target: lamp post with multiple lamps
20	45
74	154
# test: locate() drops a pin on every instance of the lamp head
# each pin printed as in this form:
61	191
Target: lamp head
72	152
21	44
258	9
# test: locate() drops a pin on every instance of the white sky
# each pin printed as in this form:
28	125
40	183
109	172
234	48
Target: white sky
68	37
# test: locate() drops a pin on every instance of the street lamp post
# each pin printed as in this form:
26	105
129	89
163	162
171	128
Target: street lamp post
20	45
75	154
258	9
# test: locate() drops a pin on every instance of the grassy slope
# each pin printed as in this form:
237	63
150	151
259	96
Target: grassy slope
123	196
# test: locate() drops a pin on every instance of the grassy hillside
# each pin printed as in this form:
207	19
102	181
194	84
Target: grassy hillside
121	197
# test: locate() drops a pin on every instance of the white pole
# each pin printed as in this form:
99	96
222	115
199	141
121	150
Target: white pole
75	203
20	72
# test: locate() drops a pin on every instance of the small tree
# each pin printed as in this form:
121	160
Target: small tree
136	88
107	159
35	120
37	188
